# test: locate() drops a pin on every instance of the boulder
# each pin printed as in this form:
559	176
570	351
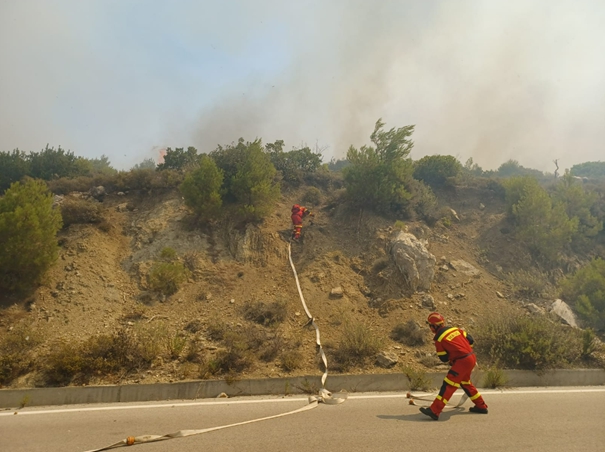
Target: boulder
465	268
428	302
98	193
564	312
415	262
386	359
337	292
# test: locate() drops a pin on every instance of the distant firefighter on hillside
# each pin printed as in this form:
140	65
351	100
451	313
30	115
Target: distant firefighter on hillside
298	213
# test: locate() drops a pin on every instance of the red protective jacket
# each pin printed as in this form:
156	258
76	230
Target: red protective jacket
298	214
452	343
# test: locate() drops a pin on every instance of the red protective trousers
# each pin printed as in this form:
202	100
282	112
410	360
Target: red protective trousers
459	376
297	222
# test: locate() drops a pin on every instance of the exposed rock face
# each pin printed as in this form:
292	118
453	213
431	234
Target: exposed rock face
564	312
414	261
386	359
465	268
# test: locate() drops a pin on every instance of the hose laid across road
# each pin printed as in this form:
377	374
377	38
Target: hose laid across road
324	395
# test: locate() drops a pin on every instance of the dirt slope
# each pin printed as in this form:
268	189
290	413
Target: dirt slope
99	284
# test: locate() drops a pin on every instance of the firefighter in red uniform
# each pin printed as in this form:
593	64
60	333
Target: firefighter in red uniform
298	213
454	345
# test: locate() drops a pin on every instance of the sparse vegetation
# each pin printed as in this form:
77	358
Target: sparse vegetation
418	379
530	283
80	211
265	313
166	277
16	353
357	345
517	341
291	360
494	378
232	259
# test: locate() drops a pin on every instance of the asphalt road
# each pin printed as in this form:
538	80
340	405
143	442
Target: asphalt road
531	419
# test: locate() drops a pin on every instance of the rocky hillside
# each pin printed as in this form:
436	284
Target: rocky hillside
348	275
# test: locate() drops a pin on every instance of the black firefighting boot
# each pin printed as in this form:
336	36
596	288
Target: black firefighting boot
475	409
429	413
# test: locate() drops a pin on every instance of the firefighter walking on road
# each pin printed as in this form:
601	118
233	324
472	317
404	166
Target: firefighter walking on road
454	345
298	213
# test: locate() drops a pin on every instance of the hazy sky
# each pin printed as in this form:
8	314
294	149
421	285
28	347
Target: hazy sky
492	80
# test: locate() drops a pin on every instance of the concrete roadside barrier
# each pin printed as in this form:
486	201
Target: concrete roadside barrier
200	389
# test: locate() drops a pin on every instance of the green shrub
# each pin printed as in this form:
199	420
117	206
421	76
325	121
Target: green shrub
265	313
216	329
358	343
235	358
519	341
585	290
249	179
103	355
422	203
16	357
52	164
179	159
435	170
291	360
293	165
312	196
529	283
13	167
400	226
28	229
201	189
166	277
377	177
409	333
589	343
168	254
541	225
494	378
80	211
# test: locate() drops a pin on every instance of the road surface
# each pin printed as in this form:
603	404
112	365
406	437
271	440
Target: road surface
530	419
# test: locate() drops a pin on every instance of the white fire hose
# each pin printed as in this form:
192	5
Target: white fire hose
324	395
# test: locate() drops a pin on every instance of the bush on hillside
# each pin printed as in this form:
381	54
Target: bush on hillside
122	352
585	290
16	357
357	345
518	341
543	227
177	159
579	203
312	196
377	177
435	170
249	179
293	165
13	167
80	211
201	189
166	277
530	283
28	235
265	313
